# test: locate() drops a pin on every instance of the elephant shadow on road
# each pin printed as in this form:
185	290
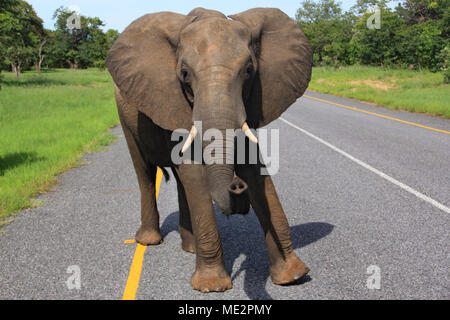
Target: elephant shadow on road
243	243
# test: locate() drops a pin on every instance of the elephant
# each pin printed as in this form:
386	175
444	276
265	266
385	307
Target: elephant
237	72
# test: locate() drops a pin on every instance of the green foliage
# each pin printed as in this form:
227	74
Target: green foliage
421	44
22	33
6	5
361	6
100	65
313	12
377	46
418	11
328	30
444	57
412	36
78	48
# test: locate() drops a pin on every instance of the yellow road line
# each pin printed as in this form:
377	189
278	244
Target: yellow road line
159	175
377	114
135	273
136	266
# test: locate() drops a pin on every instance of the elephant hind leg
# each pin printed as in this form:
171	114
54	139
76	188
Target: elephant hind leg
185	226
149	232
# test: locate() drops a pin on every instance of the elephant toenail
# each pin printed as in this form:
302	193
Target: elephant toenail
297	276
205	290
219	289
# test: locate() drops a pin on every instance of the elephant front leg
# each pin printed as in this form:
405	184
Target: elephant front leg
210	274
285	266
149	231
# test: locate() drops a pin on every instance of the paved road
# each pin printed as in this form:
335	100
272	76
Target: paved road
358	190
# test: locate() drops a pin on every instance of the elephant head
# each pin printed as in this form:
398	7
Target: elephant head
230	73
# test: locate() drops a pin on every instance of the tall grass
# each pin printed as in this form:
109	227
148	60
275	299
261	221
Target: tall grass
416	91
47	123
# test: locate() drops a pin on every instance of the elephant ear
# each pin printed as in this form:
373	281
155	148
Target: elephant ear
142	63
284	58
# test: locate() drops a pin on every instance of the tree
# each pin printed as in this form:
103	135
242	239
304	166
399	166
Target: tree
80	48
103	45
5	6
20	31
54	51
328	30
421	45
378	46
313	12
417	33
40	56
418	11
111	37
361	6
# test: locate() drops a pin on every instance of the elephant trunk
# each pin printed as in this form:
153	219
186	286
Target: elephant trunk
227	190
217	107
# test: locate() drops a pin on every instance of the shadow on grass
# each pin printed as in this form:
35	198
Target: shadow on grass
243	239
14	160
49	70
34	81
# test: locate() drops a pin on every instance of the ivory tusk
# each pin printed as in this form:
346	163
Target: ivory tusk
190	139
249	133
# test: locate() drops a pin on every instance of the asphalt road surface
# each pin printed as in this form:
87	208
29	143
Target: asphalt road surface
359	190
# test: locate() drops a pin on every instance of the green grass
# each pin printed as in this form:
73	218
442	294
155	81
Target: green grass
47	123
415	91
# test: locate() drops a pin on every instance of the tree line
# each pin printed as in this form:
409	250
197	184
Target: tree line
25	43
414	35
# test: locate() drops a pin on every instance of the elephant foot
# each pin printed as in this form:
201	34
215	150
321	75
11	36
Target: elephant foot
188	246
187	240
211	281
292	270
148	237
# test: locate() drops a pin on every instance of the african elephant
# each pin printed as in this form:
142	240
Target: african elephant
171	70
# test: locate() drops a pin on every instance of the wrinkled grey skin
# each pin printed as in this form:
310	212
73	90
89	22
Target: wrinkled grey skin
171	70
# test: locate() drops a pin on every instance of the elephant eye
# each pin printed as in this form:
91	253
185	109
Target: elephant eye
184	75
185	79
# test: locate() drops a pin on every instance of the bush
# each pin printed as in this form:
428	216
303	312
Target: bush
100	65
377	46
411	36
444	58
421	44
447	76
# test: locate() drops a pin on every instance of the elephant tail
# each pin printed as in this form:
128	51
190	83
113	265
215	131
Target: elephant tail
166	174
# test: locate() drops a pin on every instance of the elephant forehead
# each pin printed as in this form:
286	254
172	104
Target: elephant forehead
213	33
215	41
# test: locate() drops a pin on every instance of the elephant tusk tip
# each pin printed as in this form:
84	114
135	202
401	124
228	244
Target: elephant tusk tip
249	133
255	140
190	139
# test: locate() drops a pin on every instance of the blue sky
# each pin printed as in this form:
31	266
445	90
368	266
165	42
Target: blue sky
117	14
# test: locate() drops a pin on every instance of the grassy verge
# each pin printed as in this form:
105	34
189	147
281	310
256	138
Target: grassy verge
416	91
47	123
